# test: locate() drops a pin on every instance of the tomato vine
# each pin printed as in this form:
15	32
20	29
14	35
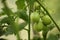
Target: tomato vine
33	13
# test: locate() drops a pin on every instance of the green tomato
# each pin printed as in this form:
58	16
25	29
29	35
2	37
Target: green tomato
46	20
35	17
38	26
36	5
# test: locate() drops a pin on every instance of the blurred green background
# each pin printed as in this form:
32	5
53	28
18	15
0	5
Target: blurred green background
53	6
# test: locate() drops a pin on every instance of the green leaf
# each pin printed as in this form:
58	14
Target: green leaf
7	11
22	25
5	20
31	4
20	4
2	13
9	30
23	15
2	31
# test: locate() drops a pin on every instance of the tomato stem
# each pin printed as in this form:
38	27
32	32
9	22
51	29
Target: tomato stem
29	22
18	36
44	35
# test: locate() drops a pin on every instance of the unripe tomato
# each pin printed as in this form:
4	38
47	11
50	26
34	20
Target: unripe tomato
35	17
36	5
46	20
38	26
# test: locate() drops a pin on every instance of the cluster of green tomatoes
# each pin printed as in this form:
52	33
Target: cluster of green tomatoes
39	23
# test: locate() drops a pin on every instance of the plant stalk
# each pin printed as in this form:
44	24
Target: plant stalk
44	35
18	37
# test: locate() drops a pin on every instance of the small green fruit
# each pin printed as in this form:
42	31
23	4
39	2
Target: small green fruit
36	5
38	26
35	17
46	20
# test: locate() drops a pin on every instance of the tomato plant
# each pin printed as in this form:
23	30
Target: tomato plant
33	13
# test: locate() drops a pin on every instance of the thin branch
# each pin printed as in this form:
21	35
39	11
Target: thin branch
26	29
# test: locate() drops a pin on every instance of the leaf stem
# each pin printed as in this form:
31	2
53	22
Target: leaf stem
25	29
